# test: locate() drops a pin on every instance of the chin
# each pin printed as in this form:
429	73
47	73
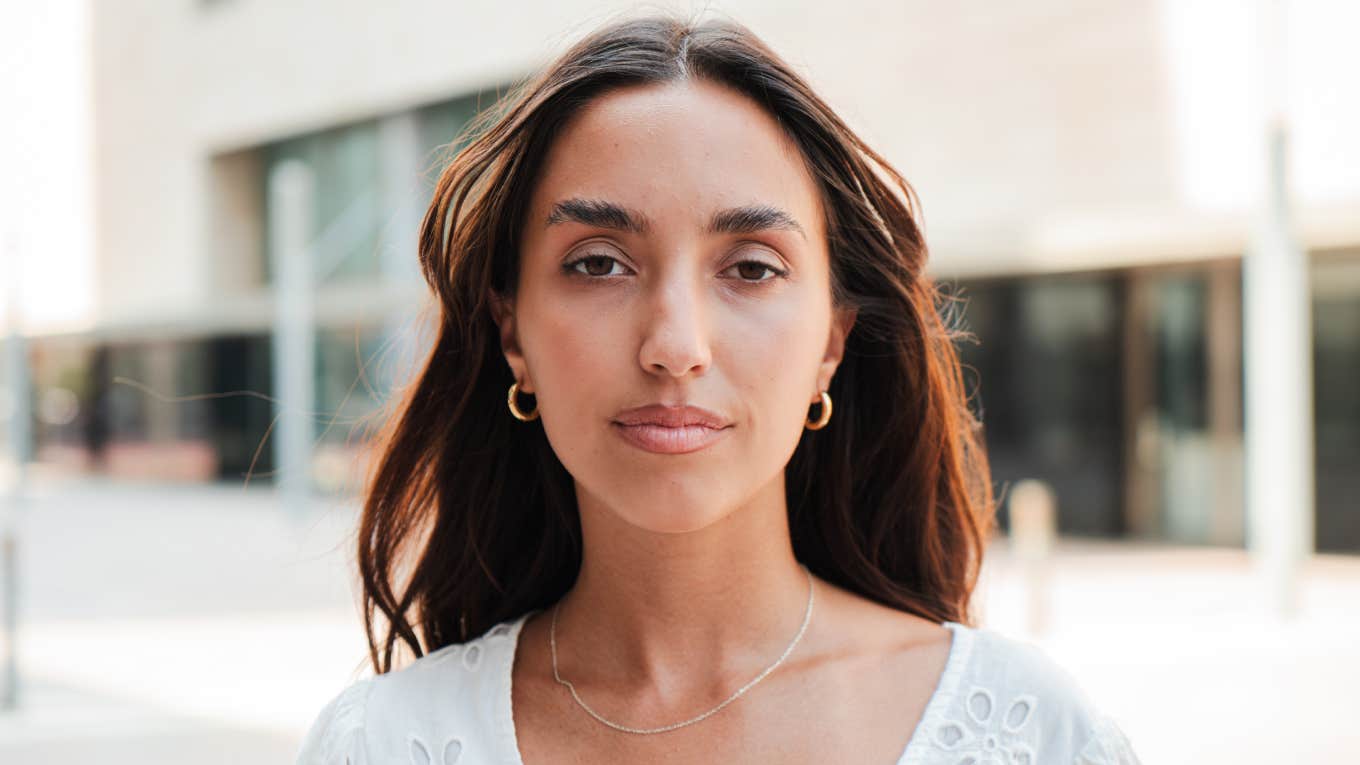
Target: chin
675	510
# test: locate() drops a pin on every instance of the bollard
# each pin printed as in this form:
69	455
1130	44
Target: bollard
1033	521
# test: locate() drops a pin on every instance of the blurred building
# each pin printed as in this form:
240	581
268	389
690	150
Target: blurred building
1089	174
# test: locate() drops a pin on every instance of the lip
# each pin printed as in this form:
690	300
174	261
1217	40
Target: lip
666	429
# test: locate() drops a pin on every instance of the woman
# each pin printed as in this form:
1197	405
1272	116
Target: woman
690	473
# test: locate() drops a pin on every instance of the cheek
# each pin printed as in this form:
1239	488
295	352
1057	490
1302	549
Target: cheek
571	349
772	356
573	360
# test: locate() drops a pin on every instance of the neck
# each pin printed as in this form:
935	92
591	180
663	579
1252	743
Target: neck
680	614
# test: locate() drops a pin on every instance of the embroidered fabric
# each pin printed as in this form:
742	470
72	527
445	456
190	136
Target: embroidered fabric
1005	702
998	701
336	737
1108	746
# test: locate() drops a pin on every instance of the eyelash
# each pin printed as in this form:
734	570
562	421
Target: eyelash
570	269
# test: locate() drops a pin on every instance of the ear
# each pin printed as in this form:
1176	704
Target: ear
503	313
842	320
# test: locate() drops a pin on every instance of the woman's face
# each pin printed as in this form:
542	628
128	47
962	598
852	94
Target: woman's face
674	255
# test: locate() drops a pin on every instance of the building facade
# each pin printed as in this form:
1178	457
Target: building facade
1090	174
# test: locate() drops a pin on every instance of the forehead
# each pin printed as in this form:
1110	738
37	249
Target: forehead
678	152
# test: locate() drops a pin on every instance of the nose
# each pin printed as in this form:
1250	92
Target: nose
676	340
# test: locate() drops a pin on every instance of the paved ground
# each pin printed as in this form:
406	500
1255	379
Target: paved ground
205	625
1173	643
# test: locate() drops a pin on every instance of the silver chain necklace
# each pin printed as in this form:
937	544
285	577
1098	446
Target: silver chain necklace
552	637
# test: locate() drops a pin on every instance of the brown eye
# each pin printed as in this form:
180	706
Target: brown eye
593	265
753	270
598	265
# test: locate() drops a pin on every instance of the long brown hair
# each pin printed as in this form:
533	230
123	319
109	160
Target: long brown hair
469	518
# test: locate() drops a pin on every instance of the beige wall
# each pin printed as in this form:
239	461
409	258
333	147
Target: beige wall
1039	135
47	281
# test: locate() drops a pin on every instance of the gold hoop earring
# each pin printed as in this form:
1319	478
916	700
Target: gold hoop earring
825	415
514	406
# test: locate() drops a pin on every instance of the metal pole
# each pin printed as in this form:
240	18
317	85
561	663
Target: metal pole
20	439
294	345
1277	354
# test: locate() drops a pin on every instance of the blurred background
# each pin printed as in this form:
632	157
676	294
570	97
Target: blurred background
1150	210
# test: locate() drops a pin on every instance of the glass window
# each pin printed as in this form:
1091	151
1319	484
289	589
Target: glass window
352	165
1047	363
1336	400
346	207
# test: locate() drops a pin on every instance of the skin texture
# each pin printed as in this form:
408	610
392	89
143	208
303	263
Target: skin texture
689	586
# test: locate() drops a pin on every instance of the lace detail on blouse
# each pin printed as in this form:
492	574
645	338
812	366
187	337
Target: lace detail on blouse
1005	702
987	734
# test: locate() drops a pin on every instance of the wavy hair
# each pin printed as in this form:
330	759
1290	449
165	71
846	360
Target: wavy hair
469	518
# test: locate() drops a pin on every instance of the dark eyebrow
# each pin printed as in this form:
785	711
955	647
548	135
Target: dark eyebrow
600	214
752	218
734	220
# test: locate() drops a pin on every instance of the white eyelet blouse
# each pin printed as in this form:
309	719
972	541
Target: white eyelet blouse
999	701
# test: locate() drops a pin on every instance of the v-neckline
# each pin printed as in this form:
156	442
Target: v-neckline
946	688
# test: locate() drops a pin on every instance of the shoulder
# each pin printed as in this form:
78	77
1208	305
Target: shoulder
448	703
336	734
1008	695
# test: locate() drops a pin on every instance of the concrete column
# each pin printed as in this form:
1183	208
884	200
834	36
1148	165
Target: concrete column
1278	359
404	195
294	339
